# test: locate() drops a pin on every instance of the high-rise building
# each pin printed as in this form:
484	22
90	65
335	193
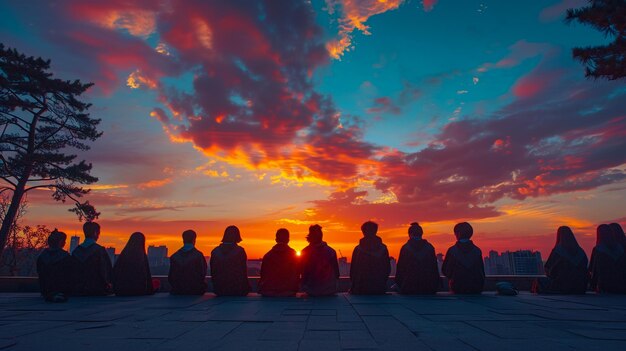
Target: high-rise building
526	262
521	262
111	253
74	241
497	264
344	267
254	267
393	264
157	255
440	263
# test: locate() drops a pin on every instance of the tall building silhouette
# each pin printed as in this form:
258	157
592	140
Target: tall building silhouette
521	262
74	241
157	255
111	253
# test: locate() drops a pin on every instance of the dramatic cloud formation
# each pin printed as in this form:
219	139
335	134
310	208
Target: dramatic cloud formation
233	83
545	142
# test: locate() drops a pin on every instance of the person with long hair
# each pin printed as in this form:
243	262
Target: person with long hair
229	269
417	271
566	267
463	264
131	272
608	263
319	266
618	234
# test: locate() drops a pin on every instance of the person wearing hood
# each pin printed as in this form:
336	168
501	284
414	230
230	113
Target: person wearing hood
618	234
463	264
54	267
566	267
188	268
417	271
93	265
279	268
229	269
608	263
370	268
131	272
319	267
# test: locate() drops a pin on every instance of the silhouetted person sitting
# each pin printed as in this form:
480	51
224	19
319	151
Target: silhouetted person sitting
279	268
417	271
463	264
370	266
229	269
566	267
608	263
319	267
618	234
188	267
93	265
55	267
131	272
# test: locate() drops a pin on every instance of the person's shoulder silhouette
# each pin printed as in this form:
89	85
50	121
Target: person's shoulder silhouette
229	270
279	268
93	268
131	272
417	271
55	269
370	267
319	266
188	268
463	263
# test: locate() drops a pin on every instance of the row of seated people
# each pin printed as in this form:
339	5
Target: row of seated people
88	270
569	271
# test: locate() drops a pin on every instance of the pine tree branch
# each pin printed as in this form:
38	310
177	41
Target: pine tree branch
49	186
8	181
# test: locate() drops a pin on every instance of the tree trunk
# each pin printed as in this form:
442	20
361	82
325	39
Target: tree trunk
18	193
7	221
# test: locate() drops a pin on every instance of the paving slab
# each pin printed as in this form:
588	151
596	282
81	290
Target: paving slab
344	322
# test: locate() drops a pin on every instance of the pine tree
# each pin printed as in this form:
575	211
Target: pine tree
609	17
41	120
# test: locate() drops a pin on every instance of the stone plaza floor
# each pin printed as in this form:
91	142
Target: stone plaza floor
344	322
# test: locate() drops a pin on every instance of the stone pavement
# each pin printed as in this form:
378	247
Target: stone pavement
344	322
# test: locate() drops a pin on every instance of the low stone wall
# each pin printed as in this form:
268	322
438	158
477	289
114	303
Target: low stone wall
30	284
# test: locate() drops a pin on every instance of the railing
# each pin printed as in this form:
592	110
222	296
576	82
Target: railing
30	284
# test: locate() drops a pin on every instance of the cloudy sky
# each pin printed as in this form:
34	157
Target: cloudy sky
285	113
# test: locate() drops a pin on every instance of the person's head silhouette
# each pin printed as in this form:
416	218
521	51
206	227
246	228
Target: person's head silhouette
604	236
231	235
136	244
415	231
91	230
618	232
315	234
463	231
369	228
56	239
189	237
282	236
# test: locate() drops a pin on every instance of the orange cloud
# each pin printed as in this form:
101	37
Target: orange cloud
156	183
137	80
137	21
354	14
